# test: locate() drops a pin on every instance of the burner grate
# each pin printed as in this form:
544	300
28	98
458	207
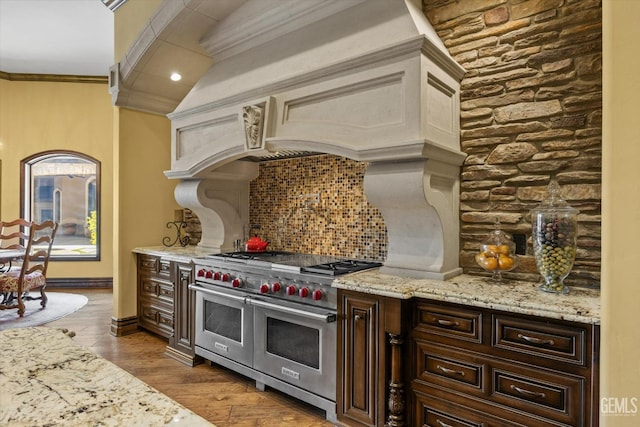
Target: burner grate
341	267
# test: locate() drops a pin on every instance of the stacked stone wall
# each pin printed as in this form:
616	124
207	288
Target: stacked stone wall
531	111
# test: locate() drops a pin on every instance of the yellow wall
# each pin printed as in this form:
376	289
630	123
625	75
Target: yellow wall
144	200
620	367
40	116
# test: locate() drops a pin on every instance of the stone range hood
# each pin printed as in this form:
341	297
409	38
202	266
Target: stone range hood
368	80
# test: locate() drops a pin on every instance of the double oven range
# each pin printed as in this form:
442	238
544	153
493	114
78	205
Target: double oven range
272	317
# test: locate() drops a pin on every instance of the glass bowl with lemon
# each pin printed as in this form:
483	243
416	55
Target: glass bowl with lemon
497	254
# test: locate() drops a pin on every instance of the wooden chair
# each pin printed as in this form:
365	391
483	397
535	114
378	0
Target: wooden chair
14	234
32	273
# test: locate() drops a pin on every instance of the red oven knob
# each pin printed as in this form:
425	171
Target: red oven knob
201	272
264	288
304	292
316	295
275	288
208	274
236	283
291	290
226	277
216	275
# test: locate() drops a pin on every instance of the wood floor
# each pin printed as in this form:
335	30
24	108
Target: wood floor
215	393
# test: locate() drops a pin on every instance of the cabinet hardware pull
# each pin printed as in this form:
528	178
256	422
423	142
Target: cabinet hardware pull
450	371
444	322
357	317
441	424
535	340
527	392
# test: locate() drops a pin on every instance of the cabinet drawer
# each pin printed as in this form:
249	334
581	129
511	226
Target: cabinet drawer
154	266
156	319
447	321
433	417
433	412
153	288
165	291
164	269
449	368
148	264
543	393
563	343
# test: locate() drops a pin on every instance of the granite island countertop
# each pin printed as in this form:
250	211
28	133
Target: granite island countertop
514	296
48	379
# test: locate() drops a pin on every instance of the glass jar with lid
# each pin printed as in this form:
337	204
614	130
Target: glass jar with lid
497	253
554	230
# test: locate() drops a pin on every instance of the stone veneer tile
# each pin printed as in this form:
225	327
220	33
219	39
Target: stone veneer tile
531	111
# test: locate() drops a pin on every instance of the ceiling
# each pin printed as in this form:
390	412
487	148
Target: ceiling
76	38
62	37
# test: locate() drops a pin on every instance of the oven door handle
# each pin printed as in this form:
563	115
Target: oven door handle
327	318
242	299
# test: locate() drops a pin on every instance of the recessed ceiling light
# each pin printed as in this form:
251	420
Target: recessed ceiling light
175	77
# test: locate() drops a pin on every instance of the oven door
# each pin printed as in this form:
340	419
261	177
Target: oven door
223	323
296	344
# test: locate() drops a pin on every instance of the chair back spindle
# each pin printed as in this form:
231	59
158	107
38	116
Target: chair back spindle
14	234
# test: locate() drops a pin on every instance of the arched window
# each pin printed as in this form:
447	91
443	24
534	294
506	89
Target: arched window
64	186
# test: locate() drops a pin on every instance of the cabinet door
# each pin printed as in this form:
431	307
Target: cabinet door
357	401
184	308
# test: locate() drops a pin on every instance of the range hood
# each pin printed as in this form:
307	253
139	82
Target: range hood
365	79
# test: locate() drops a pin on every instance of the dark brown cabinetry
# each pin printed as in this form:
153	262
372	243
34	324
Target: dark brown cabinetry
461	366
165	304
370	331
473	367
155	295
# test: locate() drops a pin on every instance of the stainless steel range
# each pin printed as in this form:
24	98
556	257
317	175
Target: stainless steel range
272	317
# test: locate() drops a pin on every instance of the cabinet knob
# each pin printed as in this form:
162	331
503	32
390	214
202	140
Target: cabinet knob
357	317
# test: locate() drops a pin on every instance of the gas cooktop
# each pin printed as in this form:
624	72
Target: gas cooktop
297	262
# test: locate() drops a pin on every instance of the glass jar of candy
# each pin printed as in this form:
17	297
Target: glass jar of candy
554	229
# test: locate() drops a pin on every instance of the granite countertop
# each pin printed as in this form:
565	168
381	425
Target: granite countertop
173	253
580	305
48	379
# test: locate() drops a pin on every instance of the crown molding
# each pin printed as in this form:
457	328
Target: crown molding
59	78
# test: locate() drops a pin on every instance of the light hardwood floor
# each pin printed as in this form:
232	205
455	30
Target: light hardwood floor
215	393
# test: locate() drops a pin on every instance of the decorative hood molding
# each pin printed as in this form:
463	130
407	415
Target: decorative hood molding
372	81
369	80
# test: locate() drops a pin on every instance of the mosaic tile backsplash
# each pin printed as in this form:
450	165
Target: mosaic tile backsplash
317	205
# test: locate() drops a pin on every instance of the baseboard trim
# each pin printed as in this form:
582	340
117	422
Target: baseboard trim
184	358
81	282
125	326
